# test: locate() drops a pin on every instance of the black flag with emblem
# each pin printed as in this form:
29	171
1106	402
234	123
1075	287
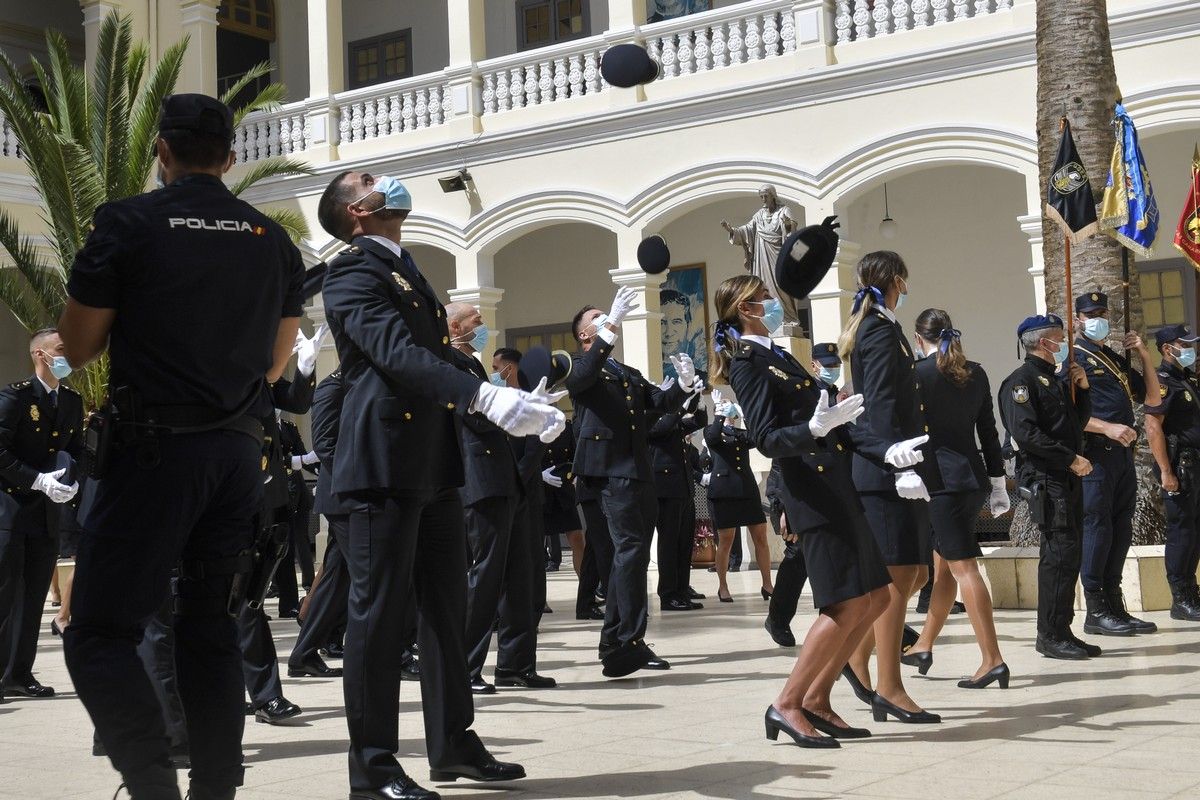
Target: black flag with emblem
1069	200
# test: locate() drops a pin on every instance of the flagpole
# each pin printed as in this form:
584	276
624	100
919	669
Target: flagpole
1070	316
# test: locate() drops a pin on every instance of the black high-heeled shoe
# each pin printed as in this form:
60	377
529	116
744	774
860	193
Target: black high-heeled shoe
54	629
836	731
775	723
861	692
723	599
765	594
922	661
998	674
881	708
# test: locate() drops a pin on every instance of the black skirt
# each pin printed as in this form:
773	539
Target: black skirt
953	517
560	519
843	562
737	512
901	528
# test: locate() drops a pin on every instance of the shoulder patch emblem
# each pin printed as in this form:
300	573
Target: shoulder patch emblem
1162	391
405	285
34	413
1093	361
1044	381
777	372
1021	394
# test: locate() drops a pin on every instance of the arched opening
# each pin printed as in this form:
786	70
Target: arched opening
245	33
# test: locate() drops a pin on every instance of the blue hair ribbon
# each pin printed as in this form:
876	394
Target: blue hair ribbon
722	335
947	336
861	294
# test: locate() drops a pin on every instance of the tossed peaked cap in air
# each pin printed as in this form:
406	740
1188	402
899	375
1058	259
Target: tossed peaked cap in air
538	363
806	256
653	255
628	65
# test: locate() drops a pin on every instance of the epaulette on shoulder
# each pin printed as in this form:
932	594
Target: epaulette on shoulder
337	373
744	351
68	389
20	384
349	252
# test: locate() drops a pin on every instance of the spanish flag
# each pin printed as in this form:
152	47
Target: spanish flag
1069	198
1187	235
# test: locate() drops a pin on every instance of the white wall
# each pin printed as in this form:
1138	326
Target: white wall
14	350
290	49
362	19
1169	159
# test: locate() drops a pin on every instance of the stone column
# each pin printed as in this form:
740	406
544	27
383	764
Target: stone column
625	15
94	12
1031	226
831	299
475	278
641	333
467	48
198	21
326	76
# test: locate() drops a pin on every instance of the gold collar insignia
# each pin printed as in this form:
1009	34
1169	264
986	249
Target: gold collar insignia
405	285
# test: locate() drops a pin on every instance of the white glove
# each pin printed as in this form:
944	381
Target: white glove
705	479
826	417
910	486
310	458
717	397
541	394
697	386
684	368
297	463
550	479
306	349
903	455
47	483
666	384
517	413
998	503
624	302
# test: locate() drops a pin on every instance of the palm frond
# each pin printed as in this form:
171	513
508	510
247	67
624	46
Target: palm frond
275	167
135	72
24	300
259	70
269	98
17	296
291	220
143	118
70	107
109	106
45	283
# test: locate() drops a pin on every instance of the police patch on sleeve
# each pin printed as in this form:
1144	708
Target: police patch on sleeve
1021	394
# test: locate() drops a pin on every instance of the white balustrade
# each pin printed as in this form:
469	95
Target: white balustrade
283	132
869	19
8	140
716	39
393	108
546	75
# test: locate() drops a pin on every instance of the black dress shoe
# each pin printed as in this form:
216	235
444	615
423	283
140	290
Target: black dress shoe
922	661
861	692
624	659
593	612
694	605
480	686
486	769
1093	651
28	688
402	788
653	661
277	711
999	673
1063	649
675	604
290	613
524	680
410	669
958	608
836	731
332	650
781	634
881	709
551	566
775	723
312	667
694	595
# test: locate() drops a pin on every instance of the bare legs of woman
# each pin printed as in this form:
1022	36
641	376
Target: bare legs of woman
724	545
63	617
828	645
762	555
889	629
575	539
948	577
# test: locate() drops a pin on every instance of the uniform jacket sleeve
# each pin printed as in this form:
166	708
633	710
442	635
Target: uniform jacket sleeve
474	421
14	470
772	438
75	445
587	370
294	396
326	414
690	423
664	427
369	319
877	363
1021	420
985	428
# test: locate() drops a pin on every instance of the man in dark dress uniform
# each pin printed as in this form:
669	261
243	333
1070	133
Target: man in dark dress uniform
399	463
1173	428
184	483
1044	418
1110	491
39	417
613	460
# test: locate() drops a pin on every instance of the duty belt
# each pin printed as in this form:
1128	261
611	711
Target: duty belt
200	419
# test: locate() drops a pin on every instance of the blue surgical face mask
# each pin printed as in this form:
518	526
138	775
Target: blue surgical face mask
1061	354
59	367
901	296
733	413
479	337
395	195
497	379
1186	356
830	374
772	317
1095	328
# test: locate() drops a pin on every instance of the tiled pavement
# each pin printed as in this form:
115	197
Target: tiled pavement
1124	725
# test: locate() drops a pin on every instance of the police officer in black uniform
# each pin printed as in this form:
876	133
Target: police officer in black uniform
1173	428
1110	491
299	460
39	418
1044	418
183	481
560	512
399	463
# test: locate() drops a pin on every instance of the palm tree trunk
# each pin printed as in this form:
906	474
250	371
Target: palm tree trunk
1076	78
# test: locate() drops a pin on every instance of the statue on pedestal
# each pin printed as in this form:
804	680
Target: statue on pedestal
761	239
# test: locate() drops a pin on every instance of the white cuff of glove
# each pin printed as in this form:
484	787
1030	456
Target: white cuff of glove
999	484
310	457
604	333
297	463
910	486
307	366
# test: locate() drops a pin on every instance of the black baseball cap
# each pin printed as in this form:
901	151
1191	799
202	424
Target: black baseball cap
197	113
1173	333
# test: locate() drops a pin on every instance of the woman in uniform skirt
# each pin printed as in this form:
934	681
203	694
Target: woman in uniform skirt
560	512
958	406
733	491
791	422
895	500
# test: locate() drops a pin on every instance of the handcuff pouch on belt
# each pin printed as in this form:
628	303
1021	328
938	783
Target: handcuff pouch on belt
1185	461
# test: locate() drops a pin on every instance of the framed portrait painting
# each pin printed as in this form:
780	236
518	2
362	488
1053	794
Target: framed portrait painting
683	301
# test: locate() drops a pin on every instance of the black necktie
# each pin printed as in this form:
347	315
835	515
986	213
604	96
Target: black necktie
54	398
616	367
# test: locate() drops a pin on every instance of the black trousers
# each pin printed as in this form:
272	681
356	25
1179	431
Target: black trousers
1109	498
27	557
597	555
630	508
1061	553
790	577
1182	553
197	503
529	517
299	553
672	536
327	609
260	661
499	568
157	652
397	546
